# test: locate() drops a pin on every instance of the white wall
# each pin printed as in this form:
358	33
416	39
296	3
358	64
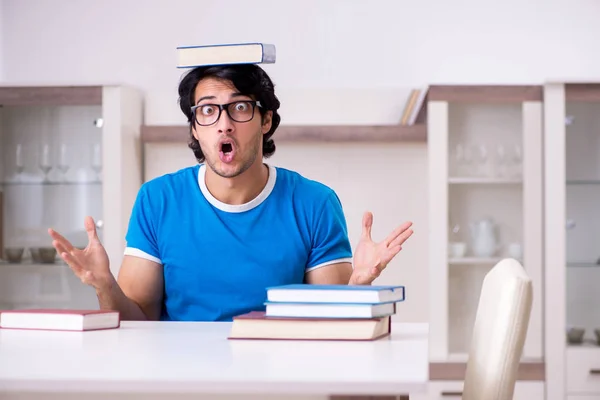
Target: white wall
372	50
390	181
320	43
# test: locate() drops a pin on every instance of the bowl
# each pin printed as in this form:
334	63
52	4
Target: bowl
44	255
35	255
575	335
14	254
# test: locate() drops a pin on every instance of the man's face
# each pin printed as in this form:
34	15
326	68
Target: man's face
230	147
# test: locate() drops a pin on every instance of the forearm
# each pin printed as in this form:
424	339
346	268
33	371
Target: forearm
333	274
111	297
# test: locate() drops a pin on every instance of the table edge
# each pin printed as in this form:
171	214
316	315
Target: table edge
222	387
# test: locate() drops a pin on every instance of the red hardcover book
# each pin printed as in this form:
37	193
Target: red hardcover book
60	319
256	325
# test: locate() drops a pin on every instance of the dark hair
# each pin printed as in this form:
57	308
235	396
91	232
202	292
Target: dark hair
249	79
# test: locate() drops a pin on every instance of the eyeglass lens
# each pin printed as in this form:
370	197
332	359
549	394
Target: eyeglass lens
240	111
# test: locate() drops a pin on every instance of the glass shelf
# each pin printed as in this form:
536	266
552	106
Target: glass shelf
583	264
474	260
477	260
583	182
484	180
57	183
31	264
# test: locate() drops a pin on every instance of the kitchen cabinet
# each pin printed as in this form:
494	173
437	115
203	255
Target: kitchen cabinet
66	152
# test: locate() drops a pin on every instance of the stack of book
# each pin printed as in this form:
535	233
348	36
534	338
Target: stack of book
321	312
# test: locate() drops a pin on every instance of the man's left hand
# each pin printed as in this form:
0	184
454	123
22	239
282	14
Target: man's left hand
371	258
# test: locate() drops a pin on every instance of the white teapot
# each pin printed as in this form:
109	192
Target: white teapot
483	234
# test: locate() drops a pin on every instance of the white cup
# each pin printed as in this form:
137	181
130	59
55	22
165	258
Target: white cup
457	249
515	250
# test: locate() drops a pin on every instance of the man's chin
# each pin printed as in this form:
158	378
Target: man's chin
230	170
227	173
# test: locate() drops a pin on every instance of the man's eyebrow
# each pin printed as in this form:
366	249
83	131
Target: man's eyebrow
205	98
237	94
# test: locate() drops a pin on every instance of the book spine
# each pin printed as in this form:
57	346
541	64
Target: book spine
418	106
268	53
409	106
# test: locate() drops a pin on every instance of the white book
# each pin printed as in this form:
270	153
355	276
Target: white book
59	319
307	293
329	310
223	54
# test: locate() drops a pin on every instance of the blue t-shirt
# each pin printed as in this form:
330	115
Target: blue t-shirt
218	259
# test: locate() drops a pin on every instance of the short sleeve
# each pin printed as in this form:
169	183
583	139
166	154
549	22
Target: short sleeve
141	233
330	243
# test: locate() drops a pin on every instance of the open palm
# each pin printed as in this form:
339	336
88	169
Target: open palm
91	264
371	258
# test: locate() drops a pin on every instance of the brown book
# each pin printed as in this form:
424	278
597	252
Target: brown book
59	319
418	107
410	104
256	325
1	224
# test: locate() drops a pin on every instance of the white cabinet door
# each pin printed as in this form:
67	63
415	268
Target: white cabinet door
122	165
452	390
583	370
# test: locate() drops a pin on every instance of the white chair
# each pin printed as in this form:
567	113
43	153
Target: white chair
499	333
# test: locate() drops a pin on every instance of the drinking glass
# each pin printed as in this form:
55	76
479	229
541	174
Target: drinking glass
63	163
19	160
516	161
45	162
501	160
481	154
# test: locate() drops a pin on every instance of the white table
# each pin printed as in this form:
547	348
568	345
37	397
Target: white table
196	357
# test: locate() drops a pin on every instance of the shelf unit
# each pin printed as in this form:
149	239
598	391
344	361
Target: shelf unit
80	127
572	194
485	161
460	180
58	183
473	260
308	133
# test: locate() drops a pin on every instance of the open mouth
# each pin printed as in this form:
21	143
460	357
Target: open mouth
226	148
227	151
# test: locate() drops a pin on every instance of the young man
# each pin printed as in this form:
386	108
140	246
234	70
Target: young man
205	242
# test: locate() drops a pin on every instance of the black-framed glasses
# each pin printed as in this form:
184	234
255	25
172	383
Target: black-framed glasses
238	111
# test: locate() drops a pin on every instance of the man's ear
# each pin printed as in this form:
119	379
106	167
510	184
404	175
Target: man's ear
266	122
194	132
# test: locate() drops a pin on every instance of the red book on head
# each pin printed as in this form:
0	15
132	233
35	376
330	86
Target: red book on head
59	319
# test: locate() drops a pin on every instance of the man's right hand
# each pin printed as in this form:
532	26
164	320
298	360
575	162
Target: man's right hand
91	264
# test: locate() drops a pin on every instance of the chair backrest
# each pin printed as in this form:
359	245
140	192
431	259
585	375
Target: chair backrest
499	333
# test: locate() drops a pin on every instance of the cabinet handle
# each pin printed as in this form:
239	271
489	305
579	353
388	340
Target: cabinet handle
595	371
459	394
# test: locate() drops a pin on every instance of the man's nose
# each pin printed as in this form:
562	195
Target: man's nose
224	123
